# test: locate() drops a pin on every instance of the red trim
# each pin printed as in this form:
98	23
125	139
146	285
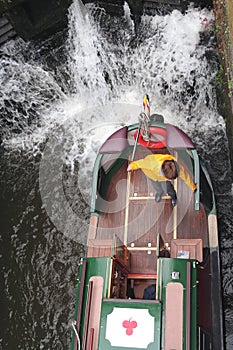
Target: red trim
142	276
152	144
92	333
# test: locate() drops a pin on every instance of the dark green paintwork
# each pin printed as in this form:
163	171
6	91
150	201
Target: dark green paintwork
109	175
102	266
95	267
166	267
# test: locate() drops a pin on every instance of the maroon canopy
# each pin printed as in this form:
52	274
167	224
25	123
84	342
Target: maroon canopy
176	138
117	142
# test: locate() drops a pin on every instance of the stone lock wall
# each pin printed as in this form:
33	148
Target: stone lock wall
39	18
33	18
223	10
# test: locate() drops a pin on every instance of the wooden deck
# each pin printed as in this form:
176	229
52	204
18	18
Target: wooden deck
131	213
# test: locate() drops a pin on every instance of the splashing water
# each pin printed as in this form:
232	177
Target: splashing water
109	65
167	59
57	108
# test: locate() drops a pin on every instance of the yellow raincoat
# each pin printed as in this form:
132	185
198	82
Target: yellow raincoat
151	166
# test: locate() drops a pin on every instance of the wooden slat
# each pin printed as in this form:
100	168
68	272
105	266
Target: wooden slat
142	276
142	248
100	242
143	198
93	226
127	207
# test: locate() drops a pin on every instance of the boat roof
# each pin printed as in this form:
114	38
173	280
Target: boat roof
175	138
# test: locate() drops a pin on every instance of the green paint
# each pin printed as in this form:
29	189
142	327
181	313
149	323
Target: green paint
95	267
166	267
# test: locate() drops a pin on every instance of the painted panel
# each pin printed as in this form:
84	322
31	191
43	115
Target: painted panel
130	325
125	327
174	316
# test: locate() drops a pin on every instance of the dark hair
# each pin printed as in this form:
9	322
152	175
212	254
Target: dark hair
170	169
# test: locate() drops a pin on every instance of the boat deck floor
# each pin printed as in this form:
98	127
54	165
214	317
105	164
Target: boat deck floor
131	213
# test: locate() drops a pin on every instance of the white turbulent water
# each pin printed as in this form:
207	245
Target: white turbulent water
168	61
108	70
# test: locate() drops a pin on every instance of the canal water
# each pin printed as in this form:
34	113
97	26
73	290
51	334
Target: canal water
59	100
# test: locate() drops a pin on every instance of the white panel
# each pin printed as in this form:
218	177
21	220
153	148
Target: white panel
130	328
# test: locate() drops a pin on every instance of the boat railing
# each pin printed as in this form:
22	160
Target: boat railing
77	339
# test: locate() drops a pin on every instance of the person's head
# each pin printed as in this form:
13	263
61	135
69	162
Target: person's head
170	169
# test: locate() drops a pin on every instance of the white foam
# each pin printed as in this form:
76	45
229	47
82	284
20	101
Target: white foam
168	60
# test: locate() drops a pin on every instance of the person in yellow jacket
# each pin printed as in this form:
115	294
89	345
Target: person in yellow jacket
161	169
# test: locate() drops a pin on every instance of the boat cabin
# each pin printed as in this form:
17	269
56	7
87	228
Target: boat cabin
119	311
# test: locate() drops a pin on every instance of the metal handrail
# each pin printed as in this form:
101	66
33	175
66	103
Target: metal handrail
76	333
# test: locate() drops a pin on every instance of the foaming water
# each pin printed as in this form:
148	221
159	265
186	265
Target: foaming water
167	60
57	107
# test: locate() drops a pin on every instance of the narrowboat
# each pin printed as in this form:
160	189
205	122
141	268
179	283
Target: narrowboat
150	278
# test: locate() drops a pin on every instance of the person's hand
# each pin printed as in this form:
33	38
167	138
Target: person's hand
129	168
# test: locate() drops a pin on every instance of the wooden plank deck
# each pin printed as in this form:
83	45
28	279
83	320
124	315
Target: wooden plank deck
136	218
